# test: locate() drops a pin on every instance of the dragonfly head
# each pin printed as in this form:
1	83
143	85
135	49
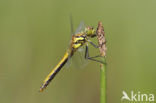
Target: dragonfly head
90	32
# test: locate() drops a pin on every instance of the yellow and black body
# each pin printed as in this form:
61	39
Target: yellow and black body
76	42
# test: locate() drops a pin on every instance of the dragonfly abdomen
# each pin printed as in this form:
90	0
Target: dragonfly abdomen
53	73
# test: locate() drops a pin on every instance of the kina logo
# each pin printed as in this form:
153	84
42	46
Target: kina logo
137	96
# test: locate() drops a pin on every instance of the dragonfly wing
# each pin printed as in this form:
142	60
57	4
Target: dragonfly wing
68	64
80	28
78	59
71	25
69	61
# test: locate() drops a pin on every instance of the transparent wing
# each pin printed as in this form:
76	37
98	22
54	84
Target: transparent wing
69	62
71	26
80	28
78	60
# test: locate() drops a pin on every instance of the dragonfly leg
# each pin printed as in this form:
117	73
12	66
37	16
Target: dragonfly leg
92	58
94	45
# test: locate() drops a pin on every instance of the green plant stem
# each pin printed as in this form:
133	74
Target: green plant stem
102	48
103	81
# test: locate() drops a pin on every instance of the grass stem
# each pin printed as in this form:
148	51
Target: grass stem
103	82
102	48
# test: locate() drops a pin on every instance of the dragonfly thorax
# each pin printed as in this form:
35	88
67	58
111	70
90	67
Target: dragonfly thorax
78	40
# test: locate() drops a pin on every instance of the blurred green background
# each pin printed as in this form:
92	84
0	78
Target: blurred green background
34	35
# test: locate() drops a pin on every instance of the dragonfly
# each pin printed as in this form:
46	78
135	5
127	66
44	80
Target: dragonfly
78	39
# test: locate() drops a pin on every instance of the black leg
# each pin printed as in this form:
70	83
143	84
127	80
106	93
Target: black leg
92	58
86	52
94	45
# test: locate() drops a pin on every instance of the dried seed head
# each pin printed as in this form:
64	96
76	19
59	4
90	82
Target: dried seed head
101	39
